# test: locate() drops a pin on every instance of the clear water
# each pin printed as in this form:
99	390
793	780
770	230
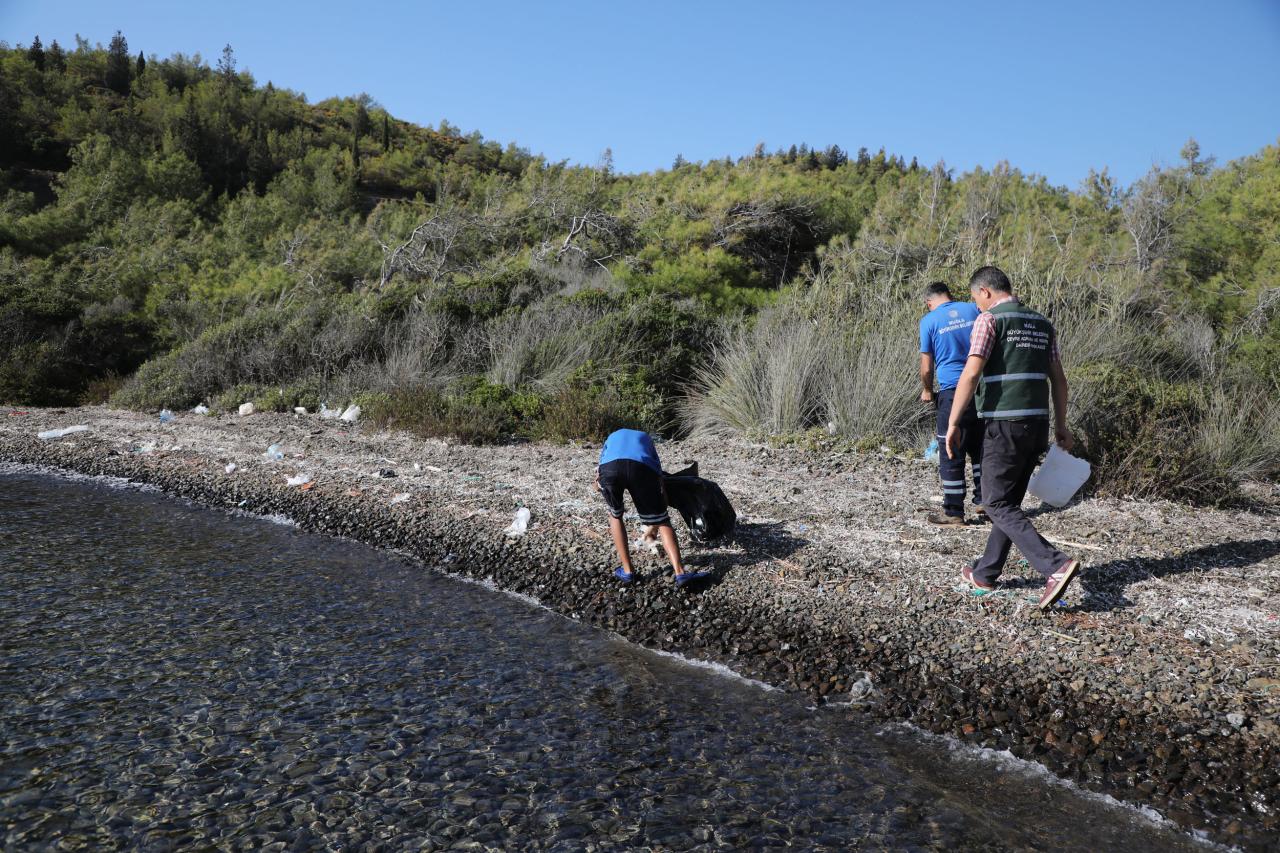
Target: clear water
173	677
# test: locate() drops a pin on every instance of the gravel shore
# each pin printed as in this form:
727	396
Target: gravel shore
1158	682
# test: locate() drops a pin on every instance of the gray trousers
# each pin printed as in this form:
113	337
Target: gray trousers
1010	451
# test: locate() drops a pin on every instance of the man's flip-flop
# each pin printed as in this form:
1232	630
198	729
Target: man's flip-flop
624	575
689	577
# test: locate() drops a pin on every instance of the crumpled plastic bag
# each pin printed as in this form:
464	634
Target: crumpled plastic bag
520	524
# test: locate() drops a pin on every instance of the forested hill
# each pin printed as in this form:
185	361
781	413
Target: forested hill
173	233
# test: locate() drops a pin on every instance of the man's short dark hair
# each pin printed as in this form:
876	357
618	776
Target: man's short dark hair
938	288
992	278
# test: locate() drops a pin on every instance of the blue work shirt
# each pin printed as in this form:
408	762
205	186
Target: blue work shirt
631	444
944	334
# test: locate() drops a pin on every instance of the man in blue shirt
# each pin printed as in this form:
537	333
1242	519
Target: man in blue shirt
629	461
944	348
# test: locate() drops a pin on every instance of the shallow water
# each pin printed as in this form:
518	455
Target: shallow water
177	677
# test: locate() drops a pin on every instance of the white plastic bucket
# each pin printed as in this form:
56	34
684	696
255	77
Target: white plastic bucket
1059	477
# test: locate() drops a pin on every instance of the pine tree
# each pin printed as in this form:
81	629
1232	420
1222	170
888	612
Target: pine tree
790	156
355	152
386	132
360	122
915	165
679	162
57	57
140	66
227	64
118	65
36	53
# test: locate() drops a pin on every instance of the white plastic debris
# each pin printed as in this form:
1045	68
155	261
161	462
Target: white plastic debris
1059	477
59	433
400	498
166	416
231	468
352	414
520	524
201	409
247	408
327	413
274	453
298	480
417	467
299	410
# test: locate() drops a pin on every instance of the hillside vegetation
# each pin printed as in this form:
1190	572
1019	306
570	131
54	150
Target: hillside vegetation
172	233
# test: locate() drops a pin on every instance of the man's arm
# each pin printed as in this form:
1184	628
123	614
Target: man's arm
1058	388
965	389
926	377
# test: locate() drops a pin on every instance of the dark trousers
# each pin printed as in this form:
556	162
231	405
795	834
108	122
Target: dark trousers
1010	451
952	470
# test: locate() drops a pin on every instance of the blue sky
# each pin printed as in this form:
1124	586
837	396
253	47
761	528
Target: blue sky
1055	88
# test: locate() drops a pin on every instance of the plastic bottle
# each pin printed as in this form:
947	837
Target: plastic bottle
166	416
274	453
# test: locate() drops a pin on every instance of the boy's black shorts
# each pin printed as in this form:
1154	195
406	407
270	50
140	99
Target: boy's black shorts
644	485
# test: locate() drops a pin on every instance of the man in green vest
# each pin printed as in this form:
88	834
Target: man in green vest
1014	367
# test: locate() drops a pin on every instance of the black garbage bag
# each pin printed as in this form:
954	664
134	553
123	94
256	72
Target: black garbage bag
705	510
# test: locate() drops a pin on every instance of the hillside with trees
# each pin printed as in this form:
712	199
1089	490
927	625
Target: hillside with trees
173	233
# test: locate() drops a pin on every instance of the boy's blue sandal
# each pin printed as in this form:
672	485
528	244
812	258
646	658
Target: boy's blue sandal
624	575
689	577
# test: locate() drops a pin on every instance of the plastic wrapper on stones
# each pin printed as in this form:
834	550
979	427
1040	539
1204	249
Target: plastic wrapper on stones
520	524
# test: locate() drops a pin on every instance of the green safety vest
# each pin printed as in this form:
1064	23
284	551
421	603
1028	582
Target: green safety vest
1015	380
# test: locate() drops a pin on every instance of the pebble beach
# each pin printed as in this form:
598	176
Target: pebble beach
1157	681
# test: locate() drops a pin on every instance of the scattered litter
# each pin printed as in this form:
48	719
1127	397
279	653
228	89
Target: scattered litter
298	480
931	452
274	453
166	416
520	524
352	414
308	485
400	498
1236	719
231	468
201	409
145	447
434	468
247	408
417	467
1067	637
386	473
299	410
59	433
327	413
